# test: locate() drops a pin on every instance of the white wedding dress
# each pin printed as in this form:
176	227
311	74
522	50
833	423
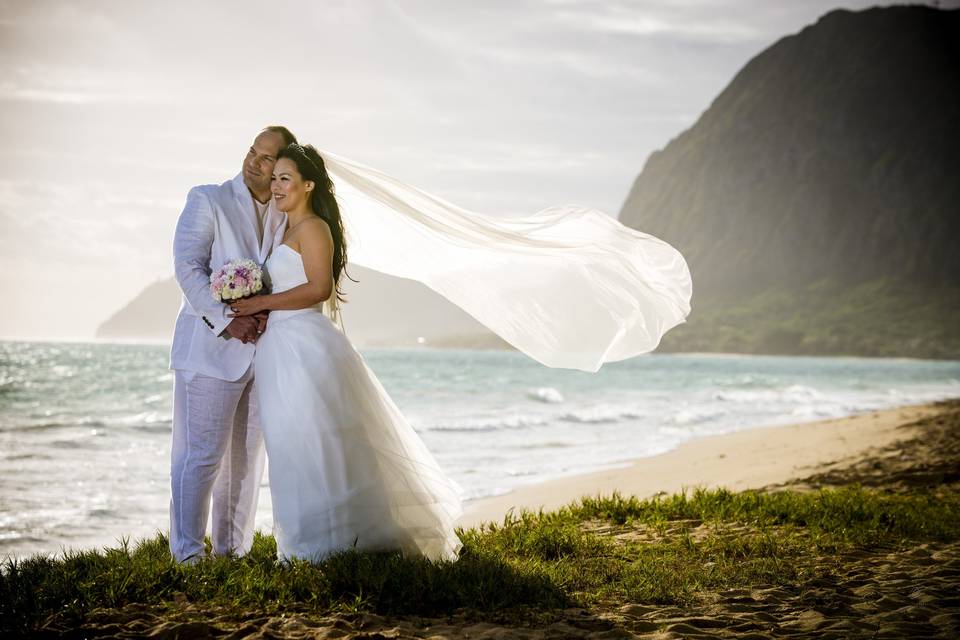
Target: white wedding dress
346	469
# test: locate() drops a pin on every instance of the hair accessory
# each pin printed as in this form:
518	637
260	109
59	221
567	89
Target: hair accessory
303	152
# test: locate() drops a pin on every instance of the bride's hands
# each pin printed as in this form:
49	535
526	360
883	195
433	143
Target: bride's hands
247	307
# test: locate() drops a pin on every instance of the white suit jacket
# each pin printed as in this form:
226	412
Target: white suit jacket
218	223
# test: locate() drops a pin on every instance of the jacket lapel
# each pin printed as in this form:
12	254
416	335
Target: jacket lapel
243	198
273	228
247	215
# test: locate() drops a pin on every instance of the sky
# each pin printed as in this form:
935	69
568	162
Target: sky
110	110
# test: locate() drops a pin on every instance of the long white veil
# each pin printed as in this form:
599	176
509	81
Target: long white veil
569	286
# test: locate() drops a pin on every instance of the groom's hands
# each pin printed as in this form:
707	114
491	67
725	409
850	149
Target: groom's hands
245	329
248	328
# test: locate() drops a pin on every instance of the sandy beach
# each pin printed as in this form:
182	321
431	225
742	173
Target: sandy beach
748	459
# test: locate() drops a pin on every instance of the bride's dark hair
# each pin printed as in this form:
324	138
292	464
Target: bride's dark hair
323	202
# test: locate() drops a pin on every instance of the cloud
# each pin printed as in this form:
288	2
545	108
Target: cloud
674	21
112	110
59	225
11	92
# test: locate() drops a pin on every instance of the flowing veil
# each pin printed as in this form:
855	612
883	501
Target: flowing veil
569	286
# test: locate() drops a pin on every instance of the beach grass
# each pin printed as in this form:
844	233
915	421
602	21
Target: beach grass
599	551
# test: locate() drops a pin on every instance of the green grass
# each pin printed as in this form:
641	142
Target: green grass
835	518
665	550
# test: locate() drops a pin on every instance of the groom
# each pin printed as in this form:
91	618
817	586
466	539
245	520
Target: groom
217	443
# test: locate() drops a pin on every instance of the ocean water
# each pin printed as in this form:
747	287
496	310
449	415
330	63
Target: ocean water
85	428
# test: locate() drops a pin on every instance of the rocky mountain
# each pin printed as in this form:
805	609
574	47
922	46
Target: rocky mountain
382	310
148	316
817	199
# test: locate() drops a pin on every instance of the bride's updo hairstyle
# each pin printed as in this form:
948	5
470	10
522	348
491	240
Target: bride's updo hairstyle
323	202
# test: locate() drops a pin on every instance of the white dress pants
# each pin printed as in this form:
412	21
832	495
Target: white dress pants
217	449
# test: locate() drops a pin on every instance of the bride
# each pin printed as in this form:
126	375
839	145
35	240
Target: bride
569	286
346	469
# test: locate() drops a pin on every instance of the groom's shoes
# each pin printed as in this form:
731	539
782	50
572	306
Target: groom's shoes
194	559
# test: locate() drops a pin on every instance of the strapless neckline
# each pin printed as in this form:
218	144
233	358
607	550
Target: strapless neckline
285	271
283	244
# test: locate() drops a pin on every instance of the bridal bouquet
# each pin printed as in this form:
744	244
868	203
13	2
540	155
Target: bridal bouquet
236	279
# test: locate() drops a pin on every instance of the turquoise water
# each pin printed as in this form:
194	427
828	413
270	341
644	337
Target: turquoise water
85	428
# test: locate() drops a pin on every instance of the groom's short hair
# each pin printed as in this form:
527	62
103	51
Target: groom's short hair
288	138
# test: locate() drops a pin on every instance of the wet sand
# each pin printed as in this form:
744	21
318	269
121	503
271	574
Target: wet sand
746	459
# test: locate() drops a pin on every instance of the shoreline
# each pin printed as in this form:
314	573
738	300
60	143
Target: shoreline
166	341
752	458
